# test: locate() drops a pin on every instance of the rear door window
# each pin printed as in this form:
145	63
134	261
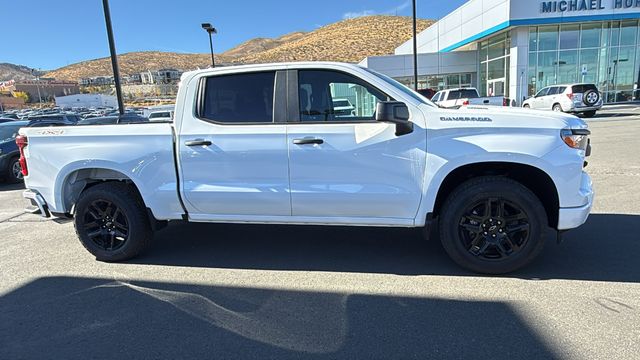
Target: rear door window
239	98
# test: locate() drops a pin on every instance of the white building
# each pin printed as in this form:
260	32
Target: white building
87	101
516	47
162	76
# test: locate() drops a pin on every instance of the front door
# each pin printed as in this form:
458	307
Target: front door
233	156
345	165
496	87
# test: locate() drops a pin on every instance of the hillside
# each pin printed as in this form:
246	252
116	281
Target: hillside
348	40
14	72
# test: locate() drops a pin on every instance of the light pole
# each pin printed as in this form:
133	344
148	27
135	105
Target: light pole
415	48
114	58
210	30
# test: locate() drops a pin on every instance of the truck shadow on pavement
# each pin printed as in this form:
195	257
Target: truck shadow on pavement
80	318
606	248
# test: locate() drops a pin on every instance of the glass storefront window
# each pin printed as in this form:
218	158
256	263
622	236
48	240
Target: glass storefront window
569	35
625	71
568	67
547	66
547	38
628	33
453	81
533	39
496	69
590	35
615	33
589	60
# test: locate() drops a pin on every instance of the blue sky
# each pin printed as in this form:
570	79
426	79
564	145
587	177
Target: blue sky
49	34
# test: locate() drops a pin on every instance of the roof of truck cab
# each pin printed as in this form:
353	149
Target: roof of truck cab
273	65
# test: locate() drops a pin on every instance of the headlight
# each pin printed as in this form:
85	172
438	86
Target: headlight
576	138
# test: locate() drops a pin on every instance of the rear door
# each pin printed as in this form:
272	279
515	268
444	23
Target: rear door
233	149
350	168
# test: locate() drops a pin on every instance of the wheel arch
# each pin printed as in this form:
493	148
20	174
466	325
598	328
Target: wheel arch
532	177
75	181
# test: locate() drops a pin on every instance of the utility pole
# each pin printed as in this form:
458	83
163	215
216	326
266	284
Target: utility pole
114	58
415	47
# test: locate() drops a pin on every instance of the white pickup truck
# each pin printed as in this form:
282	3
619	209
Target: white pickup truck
262	144
466	96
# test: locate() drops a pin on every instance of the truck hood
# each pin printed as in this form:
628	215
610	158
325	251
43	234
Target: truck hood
501	117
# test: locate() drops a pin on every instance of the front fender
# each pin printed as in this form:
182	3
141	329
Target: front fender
448	151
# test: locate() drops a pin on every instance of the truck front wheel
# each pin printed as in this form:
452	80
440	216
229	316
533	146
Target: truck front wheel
492	225
111	222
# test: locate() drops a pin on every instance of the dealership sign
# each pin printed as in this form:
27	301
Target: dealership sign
586	5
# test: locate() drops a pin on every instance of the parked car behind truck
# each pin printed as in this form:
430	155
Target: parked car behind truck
573	98
261	144
466	96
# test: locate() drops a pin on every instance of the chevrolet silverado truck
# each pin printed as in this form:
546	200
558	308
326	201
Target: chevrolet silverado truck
263	144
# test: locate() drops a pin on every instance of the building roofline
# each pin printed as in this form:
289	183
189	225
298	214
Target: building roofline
540	21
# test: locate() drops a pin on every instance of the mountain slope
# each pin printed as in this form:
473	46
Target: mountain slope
14	72
348	40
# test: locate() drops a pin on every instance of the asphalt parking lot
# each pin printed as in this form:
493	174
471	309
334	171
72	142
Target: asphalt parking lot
231	291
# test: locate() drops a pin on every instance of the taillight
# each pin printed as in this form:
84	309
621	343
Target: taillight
22	142
466	102
570	96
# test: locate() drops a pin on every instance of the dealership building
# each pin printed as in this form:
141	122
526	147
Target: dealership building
514	48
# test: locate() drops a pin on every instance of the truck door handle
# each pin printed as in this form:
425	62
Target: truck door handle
308	141
198	143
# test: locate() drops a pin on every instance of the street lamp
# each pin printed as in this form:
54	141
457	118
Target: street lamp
210	30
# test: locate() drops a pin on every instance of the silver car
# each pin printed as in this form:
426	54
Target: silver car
574	98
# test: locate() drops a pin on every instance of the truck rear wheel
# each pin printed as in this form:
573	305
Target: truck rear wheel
111	222
492	225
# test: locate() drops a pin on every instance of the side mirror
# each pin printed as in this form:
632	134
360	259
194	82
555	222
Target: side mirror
395	112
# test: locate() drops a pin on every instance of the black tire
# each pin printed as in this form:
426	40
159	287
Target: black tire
526	106
589	114
486	256
557	107
115	232
591	97
11	176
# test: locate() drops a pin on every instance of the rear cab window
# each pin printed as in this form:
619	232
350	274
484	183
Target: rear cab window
238	98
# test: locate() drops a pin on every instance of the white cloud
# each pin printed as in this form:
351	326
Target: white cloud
396	10
357	14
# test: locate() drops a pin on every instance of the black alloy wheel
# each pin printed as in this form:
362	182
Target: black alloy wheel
494	229
106	225
492	225
112	222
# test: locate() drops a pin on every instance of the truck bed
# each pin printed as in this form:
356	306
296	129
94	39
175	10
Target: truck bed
141	153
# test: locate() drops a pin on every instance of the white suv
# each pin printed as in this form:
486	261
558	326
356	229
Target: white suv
576	98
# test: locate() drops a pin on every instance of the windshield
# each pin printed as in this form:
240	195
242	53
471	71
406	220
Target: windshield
9	132
401	87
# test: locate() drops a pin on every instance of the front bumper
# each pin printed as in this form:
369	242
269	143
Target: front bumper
570	218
